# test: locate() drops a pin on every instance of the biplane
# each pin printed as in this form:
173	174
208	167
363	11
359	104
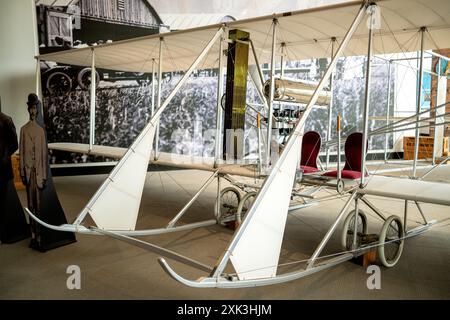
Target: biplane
350	28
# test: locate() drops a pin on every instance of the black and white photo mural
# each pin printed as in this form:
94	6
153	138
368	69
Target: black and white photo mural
123	99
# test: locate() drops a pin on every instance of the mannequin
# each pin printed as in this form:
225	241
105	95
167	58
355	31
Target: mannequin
33	165
36	174
13	225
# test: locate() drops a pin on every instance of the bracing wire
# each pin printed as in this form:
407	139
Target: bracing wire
337	253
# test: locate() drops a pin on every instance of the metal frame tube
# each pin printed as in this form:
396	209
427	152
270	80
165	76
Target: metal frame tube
158	105
261	78
283	45
260	94
367	100
419	100
92	106
396	127
330	107
406	66
420	127
434	167
355	225
132	233
219	105
258	131
405	217
387	110
153	88
421	212
188	205
218	198
156	249
438	55
258	66
330	232
429	120
435	135
272	92
149	126
373	208
338	161
220	282
38	79
407	118
189	72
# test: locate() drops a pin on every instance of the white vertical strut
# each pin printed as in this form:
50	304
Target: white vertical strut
38	79
386	136
272	92
419	100
152	110
364	148
92	107
219	105
330	108
158	105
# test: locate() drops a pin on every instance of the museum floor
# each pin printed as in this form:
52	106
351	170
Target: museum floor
111	269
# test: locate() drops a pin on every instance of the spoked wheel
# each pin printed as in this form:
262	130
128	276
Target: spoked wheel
59	83
229	202
84	78
391	241
244	205
349	229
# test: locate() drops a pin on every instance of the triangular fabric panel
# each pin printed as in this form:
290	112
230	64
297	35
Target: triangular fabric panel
117	204
257	253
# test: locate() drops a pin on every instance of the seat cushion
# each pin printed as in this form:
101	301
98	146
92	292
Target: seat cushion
307	169
345	174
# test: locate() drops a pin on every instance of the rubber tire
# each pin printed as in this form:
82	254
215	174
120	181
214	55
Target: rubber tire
81	75
346	226
53	75
239	216
225	190
381	252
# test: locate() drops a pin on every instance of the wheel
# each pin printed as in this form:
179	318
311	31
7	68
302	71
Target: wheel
229	202
58	83
349	227
391	241
144	82
244	205
340	186
84	78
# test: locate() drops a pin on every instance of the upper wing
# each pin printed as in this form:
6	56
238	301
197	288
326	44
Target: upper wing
305	33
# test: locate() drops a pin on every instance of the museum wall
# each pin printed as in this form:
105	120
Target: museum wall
17	50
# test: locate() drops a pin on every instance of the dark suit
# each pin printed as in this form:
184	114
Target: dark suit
8	145
13	226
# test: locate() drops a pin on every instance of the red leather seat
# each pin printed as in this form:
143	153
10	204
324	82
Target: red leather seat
310	150
345	174
353	150
307	169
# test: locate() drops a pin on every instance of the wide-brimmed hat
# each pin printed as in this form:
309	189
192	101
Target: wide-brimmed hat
32	99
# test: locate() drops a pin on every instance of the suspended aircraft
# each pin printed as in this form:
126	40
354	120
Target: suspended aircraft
351	28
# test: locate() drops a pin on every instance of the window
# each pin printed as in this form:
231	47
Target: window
59	29
121	4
